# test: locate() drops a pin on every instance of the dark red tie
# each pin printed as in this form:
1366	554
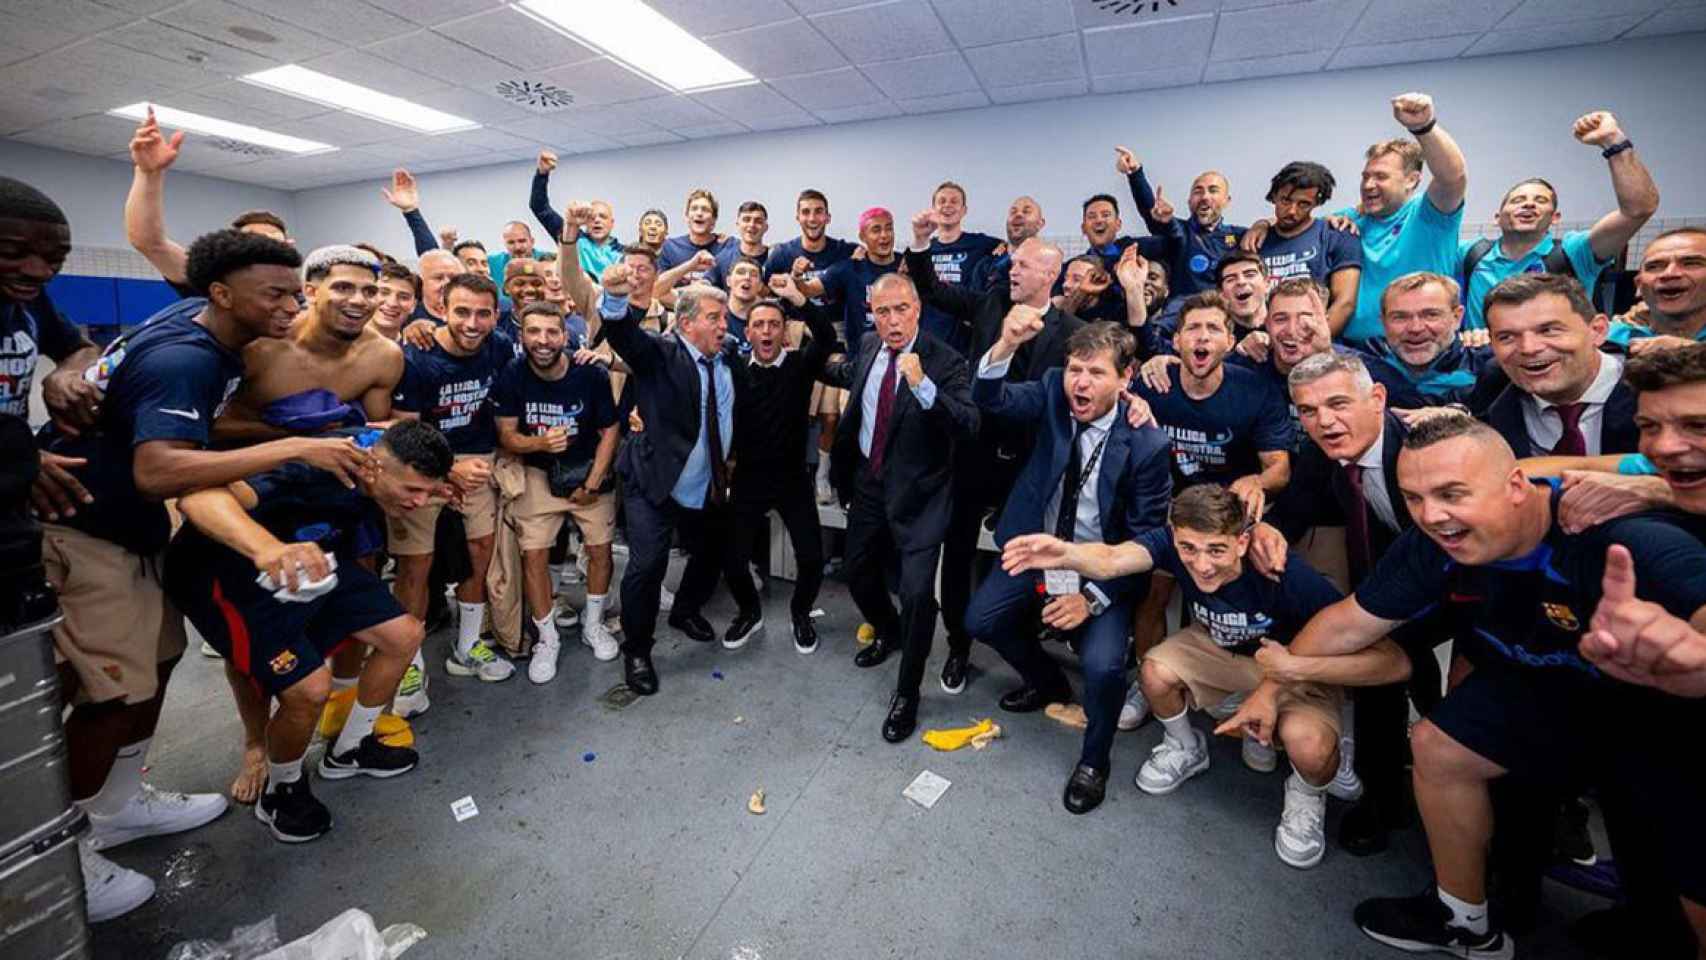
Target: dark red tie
1571	443
885	407
719	492
1359	549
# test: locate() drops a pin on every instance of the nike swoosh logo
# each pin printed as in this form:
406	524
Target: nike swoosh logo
186	414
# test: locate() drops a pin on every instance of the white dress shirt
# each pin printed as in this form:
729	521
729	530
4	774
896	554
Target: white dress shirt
1541	420
1374	493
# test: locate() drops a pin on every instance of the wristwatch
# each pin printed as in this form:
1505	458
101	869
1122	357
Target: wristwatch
1095	602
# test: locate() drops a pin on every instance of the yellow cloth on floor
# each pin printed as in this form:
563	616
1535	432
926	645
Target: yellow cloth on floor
392	730
1070	714
977	736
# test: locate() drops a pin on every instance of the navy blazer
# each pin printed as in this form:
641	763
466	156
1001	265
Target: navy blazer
1134	476
1617	431
918	467
670	398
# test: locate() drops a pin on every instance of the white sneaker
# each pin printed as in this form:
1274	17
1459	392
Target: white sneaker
666	599
1226	708
1258	756
1135	710
1301	837
567	617
604	646
412	698
1171	764
153	813
1346	784
481	661
111	890
543	667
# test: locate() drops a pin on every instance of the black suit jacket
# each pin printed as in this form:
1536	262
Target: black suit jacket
982	314
1617	432
1134	475
918	465
664	384
1332	512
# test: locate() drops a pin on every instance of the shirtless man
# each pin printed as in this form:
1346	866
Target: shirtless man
334	369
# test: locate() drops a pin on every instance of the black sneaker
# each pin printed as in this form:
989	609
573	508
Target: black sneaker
1421	924
1572	841
954	672
697	628
292	813
745	627
805	635
370	757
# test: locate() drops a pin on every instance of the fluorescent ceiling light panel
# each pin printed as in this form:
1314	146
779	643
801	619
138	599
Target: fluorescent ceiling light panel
307	84
641	39
214	127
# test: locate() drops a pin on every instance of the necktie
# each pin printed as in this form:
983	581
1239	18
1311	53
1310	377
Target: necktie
1066	519
1571	443
719	491
885	407
1359	550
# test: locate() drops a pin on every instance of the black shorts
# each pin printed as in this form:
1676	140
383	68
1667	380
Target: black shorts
274	642
1665	779
1543	725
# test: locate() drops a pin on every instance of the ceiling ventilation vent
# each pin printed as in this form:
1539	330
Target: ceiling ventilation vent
534	95
237	146
1135	8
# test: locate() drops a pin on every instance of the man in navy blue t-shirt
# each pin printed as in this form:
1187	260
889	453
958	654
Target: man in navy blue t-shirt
752	222
696	250
848	282
1301	245
35	239
955	254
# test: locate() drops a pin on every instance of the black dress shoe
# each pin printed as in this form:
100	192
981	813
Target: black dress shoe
1085	789
873	653
902	718
805	635
1029	699
954	672
1362	832
639	674
697	628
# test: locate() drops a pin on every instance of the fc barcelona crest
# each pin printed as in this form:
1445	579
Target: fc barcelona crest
283	663
1561	616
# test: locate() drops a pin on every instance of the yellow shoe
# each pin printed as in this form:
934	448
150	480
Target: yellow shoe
336	713
955	738
393	731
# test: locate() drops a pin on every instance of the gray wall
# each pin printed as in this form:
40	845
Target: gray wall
1512	115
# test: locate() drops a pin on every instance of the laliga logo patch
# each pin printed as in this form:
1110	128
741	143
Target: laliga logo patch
283	663
1199	263
1561	616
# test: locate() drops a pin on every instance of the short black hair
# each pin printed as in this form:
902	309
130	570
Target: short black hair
215	256
249	218
464	244
544	308
1093	338
20	201
473	282
1661	369
751	205
419	445
1233	259
1103	196
1303	175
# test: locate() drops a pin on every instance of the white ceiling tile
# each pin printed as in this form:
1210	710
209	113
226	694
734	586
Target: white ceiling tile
1135	49
779	49
603	121
975	23
1053	90
1672	22
348	22
342	129
1253	4
829	90
21	113
602	81
783	121
809	7
864	111
646	138
218	19
561	136
757	106
481	107
516	39
45	24
674	110
140	8
1027	61
930	76
496	141
1266	66
885	31
431	13
443	57
101	133
408	152
1545	13
952	101
224	109
707	130
705	19
250	97
1125	13
1292	28
1404	51
1569	34
370	71
181	46
1181	76
1390	21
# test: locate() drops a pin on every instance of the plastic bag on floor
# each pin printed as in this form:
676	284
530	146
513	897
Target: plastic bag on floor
350	935
246	943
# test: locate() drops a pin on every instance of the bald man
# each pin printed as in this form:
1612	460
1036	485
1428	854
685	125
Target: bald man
1024	221
1488	551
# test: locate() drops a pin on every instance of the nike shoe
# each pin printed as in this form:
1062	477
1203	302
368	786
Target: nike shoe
292	813
480	661
1135	710
1346	784
543	667
153	813
412	698
597	636
369	758
109	889
1421	924
1172	763
1300	840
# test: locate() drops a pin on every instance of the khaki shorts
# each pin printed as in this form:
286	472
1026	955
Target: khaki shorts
1214	673
410	534
539	515
118	623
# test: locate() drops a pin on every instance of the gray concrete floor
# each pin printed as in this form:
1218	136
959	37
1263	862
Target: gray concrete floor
648	851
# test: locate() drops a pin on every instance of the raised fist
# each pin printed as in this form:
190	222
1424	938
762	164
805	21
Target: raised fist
1413	110
924	225
911	368
800	267
703	260
1132	269
1598	129
547	161
1126	162
783	285
1021	324
616	280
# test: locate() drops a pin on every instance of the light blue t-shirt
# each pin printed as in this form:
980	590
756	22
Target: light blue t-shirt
1636	465
1417	237
1621	333
1495	267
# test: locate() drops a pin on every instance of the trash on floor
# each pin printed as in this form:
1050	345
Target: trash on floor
866	635
588	757
740	719
976	736
716	674
816	614
351	935
464	809
1070	714
755	803
926	788
618	697
246	943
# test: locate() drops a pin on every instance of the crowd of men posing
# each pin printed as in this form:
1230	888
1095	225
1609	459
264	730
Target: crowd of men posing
1343	440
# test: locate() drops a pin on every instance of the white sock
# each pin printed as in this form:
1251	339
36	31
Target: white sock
468	630
1469	916
546	628
123	781
594	609
279	774
344	683
823	467
1179	729
359	725
1307	786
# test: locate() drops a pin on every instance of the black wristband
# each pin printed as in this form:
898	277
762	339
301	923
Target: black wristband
1425	128
1617	148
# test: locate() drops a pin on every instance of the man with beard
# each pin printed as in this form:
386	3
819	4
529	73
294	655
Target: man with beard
1024	221
848	282
1194	247
1101	229
399	293
560	418
1423	347
1302	245
596	247
686	249
752	221
1086	290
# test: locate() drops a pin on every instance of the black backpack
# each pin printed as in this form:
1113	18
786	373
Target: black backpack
1555	261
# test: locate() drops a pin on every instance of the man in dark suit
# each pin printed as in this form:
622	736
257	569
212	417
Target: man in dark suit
1090	476
910	406
1566	396
986	468
675	472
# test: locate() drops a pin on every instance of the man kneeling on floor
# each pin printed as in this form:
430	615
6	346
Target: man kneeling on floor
299	526
1240	621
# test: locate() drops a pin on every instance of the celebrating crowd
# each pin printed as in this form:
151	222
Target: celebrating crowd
1345	440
